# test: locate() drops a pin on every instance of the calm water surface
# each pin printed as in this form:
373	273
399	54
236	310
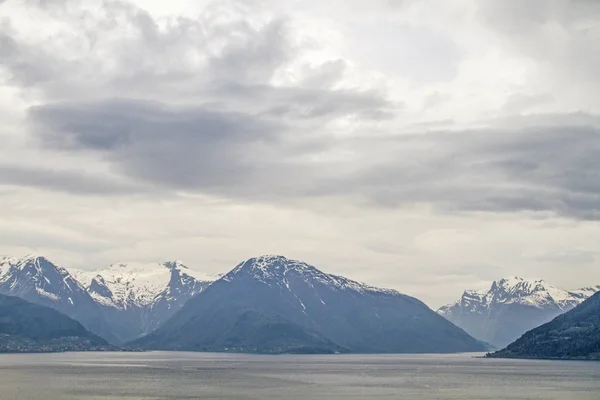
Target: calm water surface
164	375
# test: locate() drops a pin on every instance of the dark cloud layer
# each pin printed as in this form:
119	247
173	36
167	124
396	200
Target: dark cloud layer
533	165
191	148
67	181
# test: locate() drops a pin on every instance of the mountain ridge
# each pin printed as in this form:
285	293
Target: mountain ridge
350	315
119	303
126	301
36	279
511	307
138	297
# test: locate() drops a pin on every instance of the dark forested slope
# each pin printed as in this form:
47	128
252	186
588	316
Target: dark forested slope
573	335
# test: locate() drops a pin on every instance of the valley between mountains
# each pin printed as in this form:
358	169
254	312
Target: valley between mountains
267	304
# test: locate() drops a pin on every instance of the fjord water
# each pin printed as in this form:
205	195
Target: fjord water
168	375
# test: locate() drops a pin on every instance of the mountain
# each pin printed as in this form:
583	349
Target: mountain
510	308
573	335
271	304
28	327
37	280
137	298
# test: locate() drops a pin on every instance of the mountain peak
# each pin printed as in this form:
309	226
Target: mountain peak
32	258
269	261
32	264
119	265
278	270
514	285
271	266
175	264
510	307
513	281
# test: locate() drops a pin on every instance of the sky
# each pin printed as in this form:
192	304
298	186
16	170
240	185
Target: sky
426	146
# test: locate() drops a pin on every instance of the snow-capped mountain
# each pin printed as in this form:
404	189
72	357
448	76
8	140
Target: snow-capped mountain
278	271
273	304
511	307
137	298
37	280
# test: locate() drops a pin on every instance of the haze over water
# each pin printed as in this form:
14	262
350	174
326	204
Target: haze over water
164	375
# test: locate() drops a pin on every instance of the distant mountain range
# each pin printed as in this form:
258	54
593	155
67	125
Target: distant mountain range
511	307
137	298
271	304
28	327
573	335
119	303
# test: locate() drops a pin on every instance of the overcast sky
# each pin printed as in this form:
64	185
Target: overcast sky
427	146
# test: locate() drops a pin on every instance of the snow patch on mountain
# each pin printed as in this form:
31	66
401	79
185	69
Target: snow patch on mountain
37	273
125	285
511	307
120	302
275	269
585	292
515	290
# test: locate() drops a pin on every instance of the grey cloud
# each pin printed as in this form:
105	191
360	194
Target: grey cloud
435	99
255	56
191	61
300	104
49	238
180	148
527	167
120	123
221	125
27	67
519	102
569	257
420	54
66	181
324	75
532	166
522	17
560	35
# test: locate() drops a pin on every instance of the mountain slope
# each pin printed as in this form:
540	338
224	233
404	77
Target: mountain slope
511	307
573	335
340	313
137	298
39	281
28	327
